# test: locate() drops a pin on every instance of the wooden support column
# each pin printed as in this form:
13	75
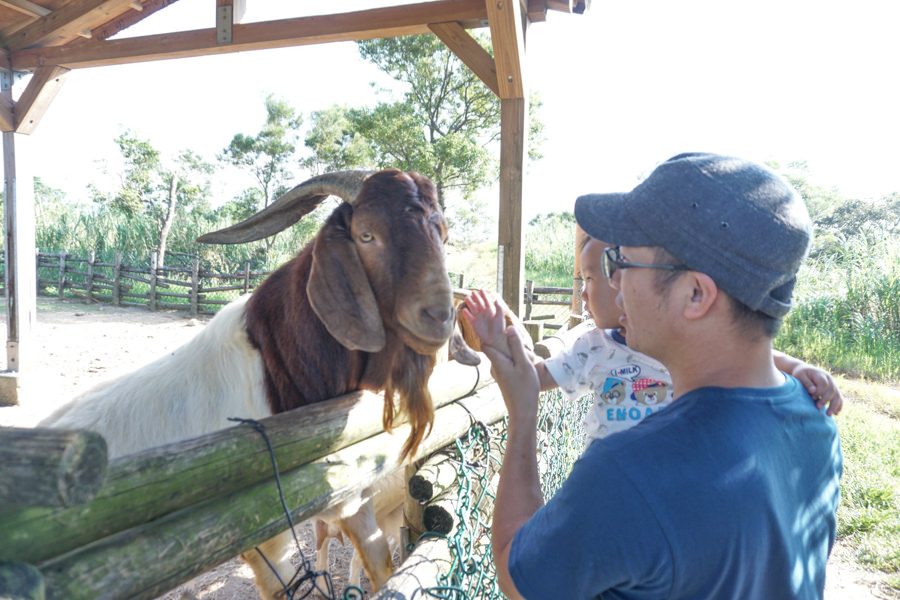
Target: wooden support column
508	27
513	136
21	275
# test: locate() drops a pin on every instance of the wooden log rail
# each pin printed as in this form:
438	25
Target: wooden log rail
54	467
168	514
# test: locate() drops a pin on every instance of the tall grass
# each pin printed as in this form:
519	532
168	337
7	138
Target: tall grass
847	310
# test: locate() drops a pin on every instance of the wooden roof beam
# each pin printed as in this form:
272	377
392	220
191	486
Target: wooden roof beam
66	23
537	9
508	39
469	52
392	21
37	96
26	7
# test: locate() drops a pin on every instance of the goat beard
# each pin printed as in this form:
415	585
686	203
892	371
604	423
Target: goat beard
409	380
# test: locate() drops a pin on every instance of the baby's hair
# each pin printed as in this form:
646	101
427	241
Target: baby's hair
583	240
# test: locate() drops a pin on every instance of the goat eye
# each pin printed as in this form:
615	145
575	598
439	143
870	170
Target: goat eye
366	237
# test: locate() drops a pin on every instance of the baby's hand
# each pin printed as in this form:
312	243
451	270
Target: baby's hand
486	317
821	387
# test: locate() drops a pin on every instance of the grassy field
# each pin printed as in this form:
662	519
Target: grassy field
869	513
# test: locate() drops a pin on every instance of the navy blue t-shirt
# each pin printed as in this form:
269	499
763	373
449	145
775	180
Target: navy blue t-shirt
727	493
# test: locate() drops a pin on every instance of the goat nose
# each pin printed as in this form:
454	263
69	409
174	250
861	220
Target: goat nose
441	314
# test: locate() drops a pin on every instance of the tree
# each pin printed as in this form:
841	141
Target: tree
268	154
153	191
335	144
443	123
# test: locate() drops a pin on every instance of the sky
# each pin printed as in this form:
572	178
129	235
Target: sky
624	87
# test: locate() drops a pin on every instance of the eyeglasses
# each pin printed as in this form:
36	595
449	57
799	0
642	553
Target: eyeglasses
612	260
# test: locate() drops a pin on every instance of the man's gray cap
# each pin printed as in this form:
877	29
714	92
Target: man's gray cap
736	221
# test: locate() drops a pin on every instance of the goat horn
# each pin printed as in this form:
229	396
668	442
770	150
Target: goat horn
290	207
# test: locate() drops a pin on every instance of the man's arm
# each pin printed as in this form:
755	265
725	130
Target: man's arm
519	490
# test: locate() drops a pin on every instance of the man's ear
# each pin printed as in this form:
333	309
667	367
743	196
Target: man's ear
703	293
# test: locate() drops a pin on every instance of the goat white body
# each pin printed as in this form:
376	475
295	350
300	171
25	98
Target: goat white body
186	393
194	390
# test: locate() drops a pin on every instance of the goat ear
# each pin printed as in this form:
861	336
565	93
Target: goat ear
339	290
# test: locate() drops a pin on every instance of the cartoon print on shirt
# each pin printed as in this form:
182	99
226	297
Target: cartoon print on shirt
649	391
613	391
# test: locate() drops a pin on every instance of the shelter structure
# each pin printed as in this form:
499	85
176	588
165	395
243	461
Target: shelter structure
44	40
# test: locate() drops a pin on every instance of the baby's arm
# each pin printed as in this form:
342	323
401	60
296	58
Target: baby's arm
817	382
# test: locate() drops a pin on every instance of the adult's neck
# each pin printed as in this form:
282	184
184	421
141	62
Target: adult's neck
726	362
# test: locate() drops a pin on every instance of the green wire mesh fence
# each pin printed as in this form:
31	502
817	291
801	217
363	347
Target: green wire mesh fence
477	459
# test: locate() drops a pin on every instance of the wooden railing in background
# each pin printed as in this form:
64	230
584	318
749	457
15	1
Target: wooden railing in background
201	291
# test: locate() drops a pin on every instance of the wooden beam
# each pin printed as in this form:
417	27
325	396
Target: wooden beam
508	38
354	26
469	51
66	23
125	20
232	459
26	8
6	114
36	99
513	140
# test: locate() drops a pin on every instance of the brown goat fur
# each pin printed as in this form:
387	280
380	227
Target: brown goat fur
364	306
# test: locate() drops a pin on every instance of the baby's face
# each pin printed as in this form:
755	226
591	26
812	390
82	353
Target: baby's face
598	296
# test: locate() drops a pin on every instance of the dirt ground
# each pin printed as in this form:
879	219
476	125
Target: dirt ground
76	346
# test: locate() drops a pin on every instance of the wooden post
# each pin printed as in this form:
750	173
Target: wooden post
154	261
194	471
529	296
89	283
117	280
412	508
61	285
246	277
148	560
535	329
513	139
577	281
195	285
19	275
423	570
37	269
50	467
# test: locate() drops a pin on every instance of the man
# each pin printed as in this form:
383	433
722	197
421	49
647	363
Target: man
730	492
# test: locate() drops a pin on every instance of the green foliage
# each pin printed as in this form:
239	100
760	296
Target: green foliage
267	155
847	302
550	249
847	312
443	124
335	144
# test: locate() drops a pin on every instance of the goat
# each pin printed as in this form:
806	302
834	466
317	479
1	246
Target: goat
387	497
365	305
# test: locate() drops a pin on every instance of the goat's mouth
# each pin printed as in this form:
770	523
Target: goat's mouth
427	329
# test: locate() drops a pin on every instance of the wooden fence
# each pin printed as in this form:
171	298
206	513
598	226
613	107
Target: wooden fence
201	291
169	287
165	515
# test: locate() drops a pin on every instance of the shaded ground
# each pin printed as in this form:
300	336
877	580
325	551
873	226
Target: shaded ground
77	346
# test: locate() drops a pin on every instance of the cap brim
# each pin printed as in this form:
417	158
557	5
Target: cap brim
606	217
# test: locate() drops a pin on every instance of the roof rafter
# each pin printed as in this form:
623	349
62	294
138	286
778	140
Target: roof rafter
65	23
